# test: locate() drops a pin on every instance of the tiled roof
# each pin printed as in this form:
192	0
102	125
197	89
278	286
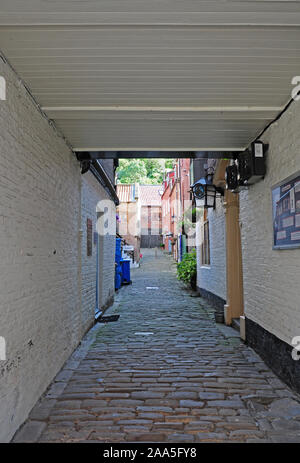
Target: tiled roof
149	195
126	192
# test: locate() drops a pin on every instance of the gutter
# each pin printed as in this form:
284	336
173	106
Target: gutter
99	173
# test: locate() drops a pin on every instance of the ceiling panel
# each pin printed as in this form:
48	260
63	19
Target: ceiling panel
159	74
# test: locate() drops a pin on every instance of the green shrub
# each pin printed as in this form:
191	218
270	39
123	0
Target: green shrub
187	268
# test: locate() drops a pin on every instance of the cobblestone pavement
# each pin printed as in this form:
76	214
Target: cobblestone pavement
163	373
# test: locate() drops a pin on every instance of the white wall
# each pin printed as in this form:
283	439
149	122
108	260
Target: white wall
39	247
272	277
93	194
212	278
41	316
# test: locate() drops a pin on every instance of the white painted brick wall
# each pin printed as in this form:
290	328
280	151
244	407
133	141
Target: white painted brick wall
40	305
212	278
39	223
272	277
92	193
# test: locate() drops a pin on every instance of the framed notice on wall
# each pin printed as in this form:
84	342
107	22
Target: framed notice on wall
286	213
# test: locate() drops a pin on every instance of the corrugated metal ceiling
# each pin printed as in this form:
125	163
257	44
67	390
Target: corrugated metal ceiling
155	74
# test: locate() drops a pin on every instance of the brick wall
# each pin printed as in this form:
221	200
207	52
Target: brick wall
130	225
272	277
212	278
39	245
40	252
94	195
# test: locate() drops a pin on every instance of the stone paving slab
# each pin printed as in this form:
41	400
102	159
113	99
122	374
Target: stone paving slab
164	372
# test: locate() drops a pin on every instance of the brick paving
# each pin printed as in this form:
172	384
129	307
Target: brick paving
165	372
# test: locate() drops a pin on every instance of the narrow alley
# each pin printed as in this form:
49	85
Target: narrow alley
164	372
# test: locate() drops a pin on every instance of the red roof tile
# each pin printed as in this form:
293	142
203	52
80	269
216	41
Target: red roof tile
149	195
126	192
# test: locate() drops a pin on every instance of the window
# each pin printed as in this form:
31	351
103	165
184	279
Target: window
205	251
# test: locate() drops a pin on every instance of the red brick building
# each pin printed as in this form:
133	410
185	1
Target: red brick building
151	215
167	211
140	217
175	202
129	216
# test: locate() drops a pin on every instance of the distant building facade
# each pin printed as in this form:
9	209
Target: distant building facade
139	215
129	216
151	215
176	208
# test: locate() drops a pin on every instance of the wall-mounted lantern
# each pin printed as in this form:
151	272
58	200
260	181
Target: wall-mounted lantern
205	193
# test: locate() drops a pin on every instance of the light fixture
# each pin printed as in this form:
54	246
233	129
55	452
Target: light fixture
232	177
205	193
248	168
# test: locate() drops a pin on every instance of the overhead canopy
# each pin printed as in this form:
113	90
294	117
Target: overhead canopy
155	74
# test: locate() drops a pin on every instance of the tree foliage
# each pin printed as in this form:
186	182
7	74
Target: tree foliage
145	171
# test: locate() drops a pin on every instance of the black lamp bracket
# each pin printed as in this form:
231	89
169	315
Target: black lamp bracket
219	190
85	166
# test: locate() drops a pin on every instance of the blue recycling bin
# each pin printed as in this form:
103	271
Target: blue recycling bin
118	250
125	263
118	277
118	269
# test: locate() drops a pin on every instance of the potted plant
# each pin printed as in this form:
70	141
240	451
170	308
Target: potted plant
187	269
